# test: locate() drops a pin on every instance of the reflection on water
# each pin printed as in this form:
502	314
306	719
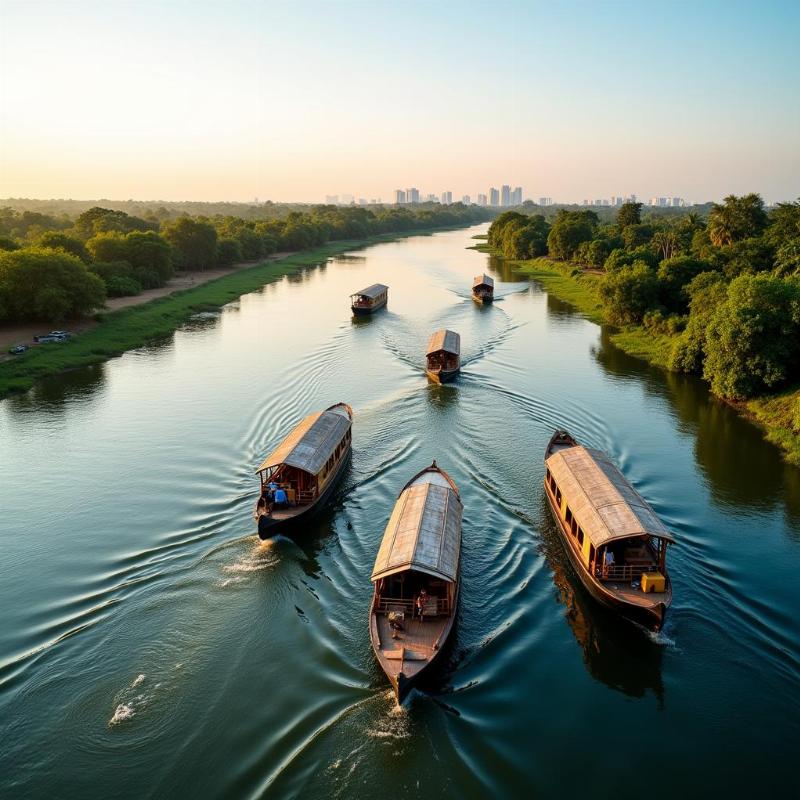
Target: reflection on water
55	393
621	656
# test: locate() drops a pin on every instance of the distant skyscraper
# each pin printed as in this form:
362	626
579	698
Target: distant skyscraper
432	198
545	201
331	199
399	196
494	197
617	201
677	202
465	199
505	195
482	201
447	198
516	196
412	195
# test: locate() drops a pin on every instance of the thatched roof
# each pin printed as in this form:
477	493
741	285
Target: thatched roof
605	505
483	280
424	531
371	291
312	441
449	341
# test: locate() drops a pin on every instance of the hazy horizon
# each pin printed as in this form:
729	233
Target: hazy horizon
201	102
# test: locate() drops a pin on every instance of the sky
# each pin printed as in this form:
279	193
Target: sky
234	100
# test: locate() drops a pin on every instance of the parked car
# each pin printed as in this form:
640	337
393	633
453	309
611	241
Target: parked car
18	349
60	334
48	338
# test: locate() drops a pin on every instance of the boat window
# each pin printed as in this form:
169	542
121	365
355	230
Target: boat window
574	529
569	516
580	535
558	496
591	553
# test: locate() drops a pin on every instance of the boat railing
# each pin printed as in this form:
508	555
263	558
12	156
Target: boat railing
387	604
623	572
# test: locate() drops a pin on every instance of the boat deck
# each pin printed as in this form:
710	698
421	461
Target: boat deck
418	640
624	591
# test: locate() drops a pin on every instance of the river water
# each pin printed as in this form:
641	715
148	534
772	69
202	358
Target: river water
152	646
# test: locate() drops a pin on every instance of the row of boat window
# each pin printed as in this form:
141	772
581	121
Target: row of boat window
572	523
335	457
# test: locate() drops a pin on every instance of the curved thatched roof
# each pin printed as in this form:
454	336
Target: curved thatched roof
483	280
312	440
448	341
424	531
605	505
371	291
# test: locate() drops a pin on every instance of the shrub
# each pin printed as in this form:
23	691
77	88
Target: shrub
119	286
629	293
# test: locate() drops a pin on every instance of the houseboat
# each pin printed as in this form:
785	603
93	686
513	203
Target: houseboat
483	289
615	541
416	579
370	299
443	356
298	476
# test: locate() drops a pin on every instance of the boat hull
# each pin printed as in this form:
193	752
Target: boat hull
482	300
651	617
444	376
269	527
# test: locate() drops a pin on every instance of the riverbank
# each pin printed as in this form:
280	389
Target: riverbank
778	415
113	333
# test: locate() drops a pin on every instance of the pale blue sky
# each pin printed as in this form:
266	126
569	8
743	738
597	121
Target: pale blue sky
288	101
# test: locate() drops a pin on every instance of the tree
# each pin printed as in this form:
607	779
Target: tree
525	238
753	338
787	259
674	274
619	258
42	284
569	229
497	228
150	255
194	240
7	243
736	218
637	235
629	214
666	244
229	251
629	293
706	291
53	240
107	247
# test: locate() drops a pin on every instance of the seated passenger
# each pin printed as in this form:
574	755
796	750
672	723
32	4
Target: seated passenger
422	598
280	498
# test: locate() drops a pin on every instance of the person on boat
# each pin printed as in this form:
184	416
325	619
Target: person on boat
608	561
280	498
422	598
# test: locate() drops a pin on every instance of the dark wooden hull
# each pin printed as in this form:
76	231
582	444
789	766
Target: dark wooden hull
269	527
483	300
361	311
650	616
444	376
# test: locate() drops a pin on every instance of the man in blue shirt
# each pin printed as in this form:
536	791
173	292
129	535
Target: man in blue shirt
281	499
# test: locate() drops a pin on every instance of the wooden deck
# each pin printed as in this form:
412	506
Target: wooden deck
419	640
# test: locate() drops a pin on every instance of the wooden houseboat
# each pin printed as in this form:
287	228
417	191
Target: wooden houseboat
483	289
416	578
370	299
443	356
305	467
615	541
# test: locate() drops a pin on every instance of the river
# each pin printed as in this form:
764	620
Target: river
152	646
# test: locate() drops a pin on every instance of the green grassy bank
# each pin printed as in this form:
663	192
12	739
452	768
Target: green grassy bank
777	415
133	327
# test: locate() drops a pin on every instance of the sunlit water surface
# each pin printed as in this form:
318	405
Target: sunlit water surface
152	646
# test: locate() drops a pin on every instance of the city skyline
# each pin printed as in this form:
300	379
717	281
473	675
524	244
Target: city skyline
706	109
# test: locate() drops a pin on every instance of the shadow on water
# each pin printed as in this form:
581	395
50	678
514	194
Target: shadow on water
615	652
500	268
441	396
724	440
306	272
57	392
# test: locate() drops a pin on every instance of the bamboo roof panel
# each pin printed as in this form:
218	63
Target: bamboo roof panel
483	280
373	291
601	499
311	442
448	341
423	533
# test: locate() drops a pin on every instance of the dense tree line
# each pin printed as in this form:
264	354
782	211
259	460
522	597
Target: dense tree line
727	286
106	252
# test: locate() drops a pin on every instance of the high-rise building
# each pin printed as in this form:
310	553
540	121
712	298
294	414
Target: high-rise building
516	196
447	198
545	201
505	195
465	199
617	201
399	196
432	198
331	199
412	195
677	202
482	201
494	197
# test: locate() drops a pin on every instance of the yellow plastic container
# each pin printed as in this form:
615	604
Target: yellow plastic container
653	582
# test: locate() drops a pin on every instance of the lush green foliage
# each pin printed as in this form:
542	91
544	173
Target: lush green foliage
37	283
629	293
